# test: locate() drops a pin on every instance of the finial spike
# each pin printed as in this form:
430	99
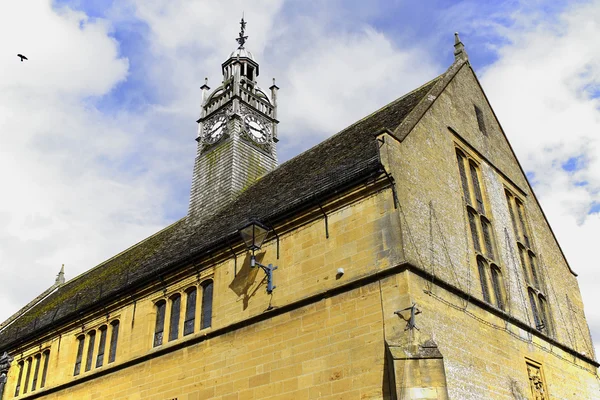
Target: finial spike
241	39
60	278
459	49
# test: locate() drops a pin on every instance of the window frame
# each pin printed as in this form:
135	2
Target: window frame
206	310
114	340
79	357
480	225
159	335
533	278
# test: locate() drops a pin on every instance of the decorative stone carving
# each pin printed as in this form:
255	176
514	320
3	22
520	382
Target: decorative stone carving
538	387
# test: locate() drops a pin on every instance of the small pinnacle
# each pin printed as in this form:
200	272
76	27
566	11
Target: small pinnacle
459	49
60	278
205	86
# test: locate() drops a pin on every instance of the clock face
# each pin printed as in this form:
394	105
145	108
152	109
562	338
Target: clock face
215	129
255	128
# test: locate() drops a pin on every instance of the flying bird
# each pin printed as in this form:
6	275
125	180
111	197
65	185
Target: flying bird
22	57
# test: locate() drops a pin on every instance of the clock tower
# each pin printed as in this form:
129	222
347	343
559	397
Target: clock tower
237	134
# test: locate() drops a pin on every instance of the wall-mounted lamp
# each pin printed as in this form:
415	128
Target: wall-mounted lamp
254	234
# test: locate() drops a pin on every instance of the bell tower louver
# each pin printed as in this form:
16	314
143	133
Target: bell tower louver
237	134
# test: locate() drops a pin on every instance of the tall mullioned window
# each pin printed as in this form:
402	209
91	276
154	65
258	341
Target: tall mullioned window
529	265
90	352
114	338
101	346
27	375
480	227
18	387
46	356
174	320
207	302
190	311
36	371
159	327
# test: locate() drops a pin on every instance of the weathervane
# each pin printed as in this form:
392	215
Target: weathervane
242	39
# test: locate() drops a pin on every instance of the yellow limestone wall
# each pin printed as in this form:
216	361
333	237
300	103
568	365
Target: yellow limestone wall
331	346
484	355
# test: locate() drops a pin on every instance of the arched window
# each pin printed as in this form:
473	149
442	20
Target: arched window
80	340
174	320
486	230
476	187
90	350
460	157
546	320
159	329
482	266
21	368
539	325
46	356
36	371
101	346
207	299
190	311
533	266
114	337
497	285
27	374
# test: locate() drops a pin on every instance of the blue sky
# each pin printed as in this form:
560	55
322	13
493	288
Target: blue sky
115	86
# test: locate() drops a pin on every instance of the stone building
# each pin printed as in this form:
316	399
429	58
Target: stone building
405	257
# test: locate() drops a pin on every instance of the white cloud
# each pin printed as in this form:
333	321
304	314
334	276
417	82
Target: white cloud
540	89
63	201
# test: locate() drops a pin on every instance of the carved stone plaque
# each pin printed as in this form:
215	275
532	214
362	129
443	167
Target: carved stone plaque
536	382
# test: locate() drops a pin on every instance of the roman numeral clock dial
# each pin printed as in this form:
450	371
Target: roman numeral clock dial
215	128
256	129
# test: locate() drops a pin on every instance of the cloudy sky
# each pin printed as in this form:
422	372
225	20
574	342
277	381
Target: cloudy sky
97	129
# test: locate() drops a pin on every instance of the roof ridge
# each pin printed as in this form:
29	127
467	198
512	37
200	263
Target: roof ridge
72	280
388	105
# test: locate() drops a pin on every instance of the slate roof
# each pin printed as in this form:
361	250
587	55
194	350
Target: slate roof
342	161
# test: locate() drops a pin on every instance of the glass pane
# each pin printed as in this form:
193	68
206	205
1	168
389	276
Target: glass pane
80	339
474	233
544	314
463	177
533	266
523	263
27	376
18	388
521	213
174	322
497	284
207	296
481	265
476	188
190	312
90	353
536	316
160	323
512	214
101	346
487	238
114	338
45	370
36	372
